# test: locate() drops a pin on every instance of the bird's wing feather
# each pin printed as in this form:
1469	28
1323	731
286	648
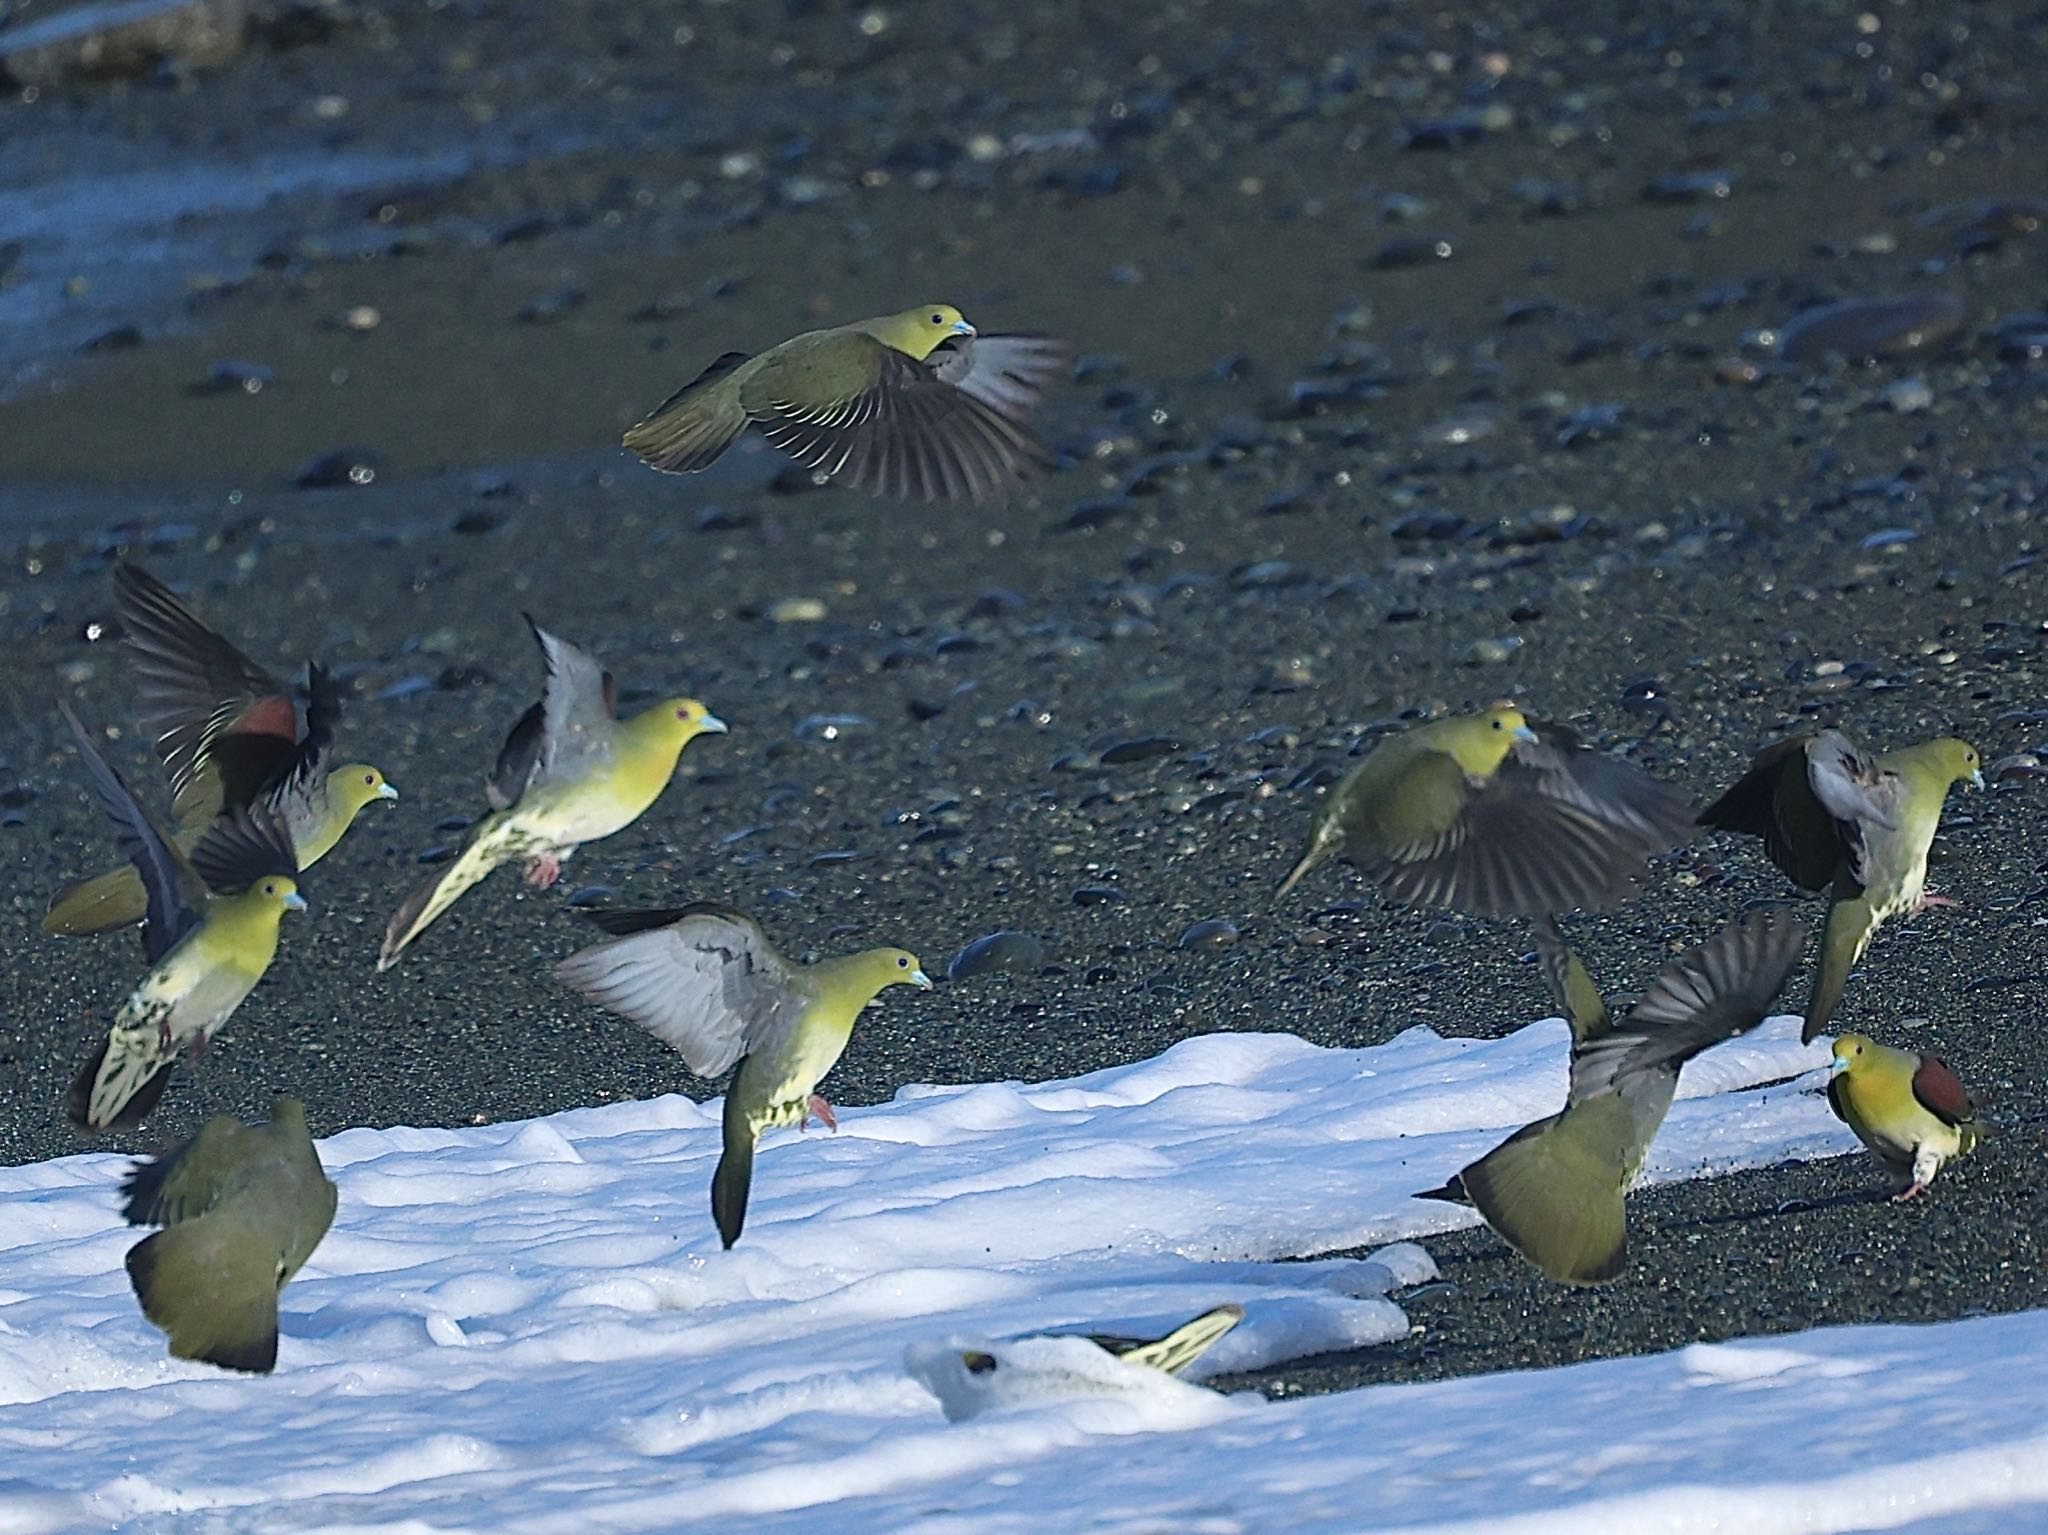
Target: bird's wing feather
185	1183
1006	373
206	707
1942	1093
908	433
1850	785
1714	992
243	847
1774	800
707	983
1570	987
176	894
576	714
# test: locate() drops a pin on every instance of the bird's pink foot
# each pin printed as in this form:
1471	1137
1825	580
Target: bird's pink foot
821	1111
543	870
1928	899
1912	1190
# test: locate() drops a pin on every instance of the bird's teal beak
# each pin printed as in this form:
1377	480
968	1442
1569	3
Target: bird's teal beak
1837	1065
962	328
711	725
1977	779
1524	733
388	790
295	902
920	980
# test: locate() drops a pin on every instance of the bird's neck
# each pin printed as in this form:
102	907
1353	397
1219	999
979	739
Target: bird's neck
847	985
244	928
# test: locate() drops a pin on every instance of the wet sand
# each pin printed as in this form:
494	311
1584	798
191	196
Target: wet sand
1308	482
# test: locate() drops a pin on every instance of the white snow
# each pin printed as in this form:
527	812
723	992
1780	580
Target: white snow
530	1329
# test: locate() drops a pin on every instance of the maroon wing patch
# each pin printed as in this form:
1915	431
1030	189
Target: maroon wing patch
1941	1093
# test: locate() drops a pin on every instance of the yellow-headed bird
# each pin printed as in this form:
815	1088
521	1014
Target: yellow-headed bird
1494	815
1837	818
916	404
243	1206
570	772
1555	1189
705	979
209	934
230	736
1910	1110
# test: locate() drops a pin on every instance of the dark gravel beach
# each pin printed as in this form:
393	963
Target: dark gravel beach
1420	363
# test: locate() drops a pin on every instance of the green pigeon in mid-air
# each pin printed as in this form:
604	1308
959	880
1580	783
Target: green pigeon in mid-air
1555	1189
1838	818
1495	815
231	737
242	1207
916	405
705	979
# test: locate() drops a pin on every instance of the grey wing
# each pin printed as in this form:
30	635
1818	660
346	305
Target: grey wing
1850	784
576	710
244	846
709	985
176	895
1714	992
1569	984
1005	373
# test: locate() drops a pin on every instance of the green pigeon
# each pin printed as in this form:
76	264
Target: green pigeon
1911	1111
243	1207
1555	1189
1494	815
915	405
209	934
1838	818
231	736
705	979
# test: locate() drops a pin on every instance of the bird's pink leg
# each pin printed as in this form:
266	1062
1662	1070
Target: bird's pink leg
1912	1190
820	1110
1930	898
543	870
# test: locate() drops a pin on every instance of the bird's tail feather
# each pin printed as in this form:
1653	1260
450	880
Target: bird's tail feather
108	901
1187	1342
213	1289
693	426
494	843
1850	926
735	1175
1541	1198
118	1087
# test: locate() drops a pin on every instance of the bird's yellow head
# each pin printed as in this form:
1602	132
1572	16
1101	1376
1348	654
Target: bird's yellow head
358	783
919	331
1851	1050
882	968
1481	742
684	719
1959	761
278	892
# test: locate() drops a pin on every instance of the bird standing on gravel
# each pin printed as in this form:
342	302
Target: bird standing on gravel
706	980
230	735
1835	817
915	405
243	1206
209	934
1555	1189
1493	815
570	772
1910	1110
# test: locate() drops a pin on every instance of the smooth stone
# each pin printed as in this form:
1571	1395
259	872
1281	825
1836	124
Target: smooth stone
1210	933
1003	953
1858	329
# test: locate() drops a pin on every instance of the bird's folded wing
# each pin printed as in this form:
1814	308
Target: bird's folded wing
707	983
1942	1093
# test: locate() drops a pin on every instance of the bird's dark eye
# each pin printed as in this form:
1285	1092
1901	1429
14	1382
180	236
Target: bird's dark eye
978	1364
902	964
369	778
938	319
